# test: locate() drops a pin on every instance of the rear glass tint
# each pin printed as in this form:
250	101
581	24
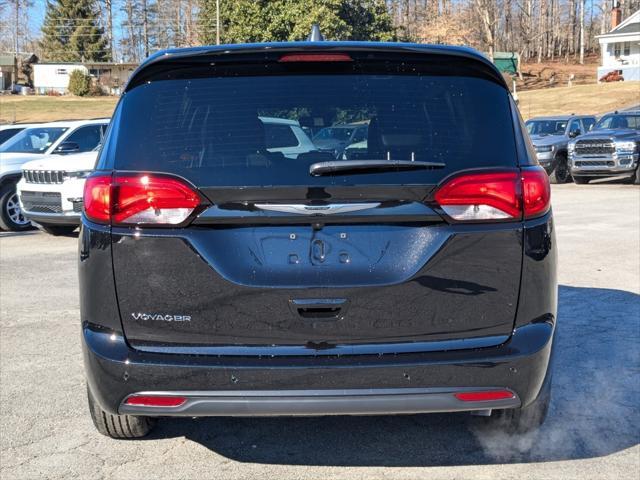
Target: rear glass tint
213	132
278	136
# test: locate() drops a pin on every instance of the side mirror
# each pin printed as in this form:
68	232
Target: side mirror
574	133
67	147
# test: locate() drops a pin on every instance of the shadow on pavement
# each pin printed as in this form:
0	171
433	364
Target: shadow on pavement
595	409
18	234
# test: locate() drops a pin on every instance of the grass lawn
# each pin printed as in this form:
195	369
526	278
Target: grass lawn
579	99
18	108
595	98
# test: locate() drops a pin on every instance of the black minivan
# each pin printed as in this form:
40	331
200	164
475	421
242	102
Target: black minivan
414	273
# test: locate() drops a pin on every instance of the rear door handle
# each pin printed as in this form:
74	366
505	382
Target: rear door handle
319	308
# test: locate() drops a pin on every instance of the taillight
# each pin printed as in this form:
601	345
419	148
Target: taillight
315	57
96	198
536	192
487	196
142	199
155	400
484	396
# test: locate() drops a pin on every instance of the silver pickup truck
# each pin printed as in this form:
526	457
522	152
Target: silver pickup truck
610	149
550	137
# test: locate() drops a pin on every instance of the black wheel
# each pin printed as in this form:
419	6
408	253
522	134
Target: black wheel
11	217
581	180
118	426
525	419
635	178
560	174
58	230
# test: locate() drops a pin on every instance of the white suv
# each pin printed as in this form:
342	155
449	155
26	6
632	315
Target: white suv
50	190
37	143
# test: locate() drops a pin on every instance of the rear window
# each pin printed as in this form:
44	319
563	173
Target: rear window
212	130
279	136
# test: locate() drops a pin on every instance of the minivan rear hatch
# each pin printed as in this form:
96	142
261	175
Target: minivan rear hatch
290	254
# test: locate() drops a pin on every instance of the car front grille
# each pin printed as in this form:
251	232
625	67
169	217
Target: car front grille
595	147
41	202
44	176
594	163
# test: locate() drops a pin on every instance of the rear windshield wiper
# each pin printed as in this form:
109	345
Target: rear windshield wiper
369	166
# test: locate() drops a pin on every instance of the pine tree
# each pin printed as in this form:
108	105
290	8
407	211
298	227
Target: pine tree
71	32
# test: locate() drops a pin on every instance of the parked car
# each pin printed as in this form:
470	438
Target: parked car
50	190
37	143
219	278
550	137
336	138
9	130
612	148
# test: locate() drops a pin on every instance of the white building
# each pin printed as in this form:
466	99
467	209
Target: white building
54	77
111	76
621	47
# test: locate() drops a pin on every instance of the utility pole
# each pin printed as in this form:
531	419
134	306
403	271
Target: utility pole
145	28
581	32
217	22
17	26
109	8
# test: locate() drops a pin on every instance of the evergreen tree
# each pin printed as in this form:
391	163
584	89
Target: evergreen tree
71	32
245	21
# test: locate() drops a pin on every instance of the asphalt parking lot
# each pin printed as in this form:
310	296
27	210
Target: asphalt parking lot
593	429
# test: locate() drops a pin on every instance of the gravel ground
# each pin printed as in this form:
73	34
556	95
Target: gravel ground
593	429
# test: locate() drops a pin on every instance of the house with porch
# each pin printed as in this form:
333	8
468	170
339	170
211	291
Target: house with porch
621	46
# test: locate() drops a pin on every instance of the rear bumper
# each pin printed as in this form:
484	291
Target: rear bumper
319	402
357	384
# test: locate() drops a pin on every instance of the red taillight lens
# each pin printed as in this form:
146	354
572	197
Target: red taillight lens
484	396
315	57
155	401
481	196
536	192
97	198
506	195
139	199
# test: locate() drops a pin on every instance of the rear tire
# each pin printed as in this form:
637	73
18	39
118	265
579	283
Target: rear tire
11	217
118	426
560	174
58	230
525	419
582	180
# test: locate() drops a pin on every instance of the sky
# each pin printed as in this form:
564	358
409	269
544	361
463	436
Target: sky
37	13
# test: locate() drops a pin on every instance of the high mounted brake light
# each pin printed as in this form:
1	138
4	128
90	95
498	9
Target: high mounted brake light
490	196
140	199
315	57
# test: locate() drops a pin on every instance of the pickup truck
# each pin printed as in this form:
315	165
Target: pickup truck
550	137
611	149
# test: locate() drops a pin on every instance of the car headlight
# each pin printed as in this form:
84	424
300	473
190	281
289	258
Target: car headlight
79	174
628	146
571	147
545	149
